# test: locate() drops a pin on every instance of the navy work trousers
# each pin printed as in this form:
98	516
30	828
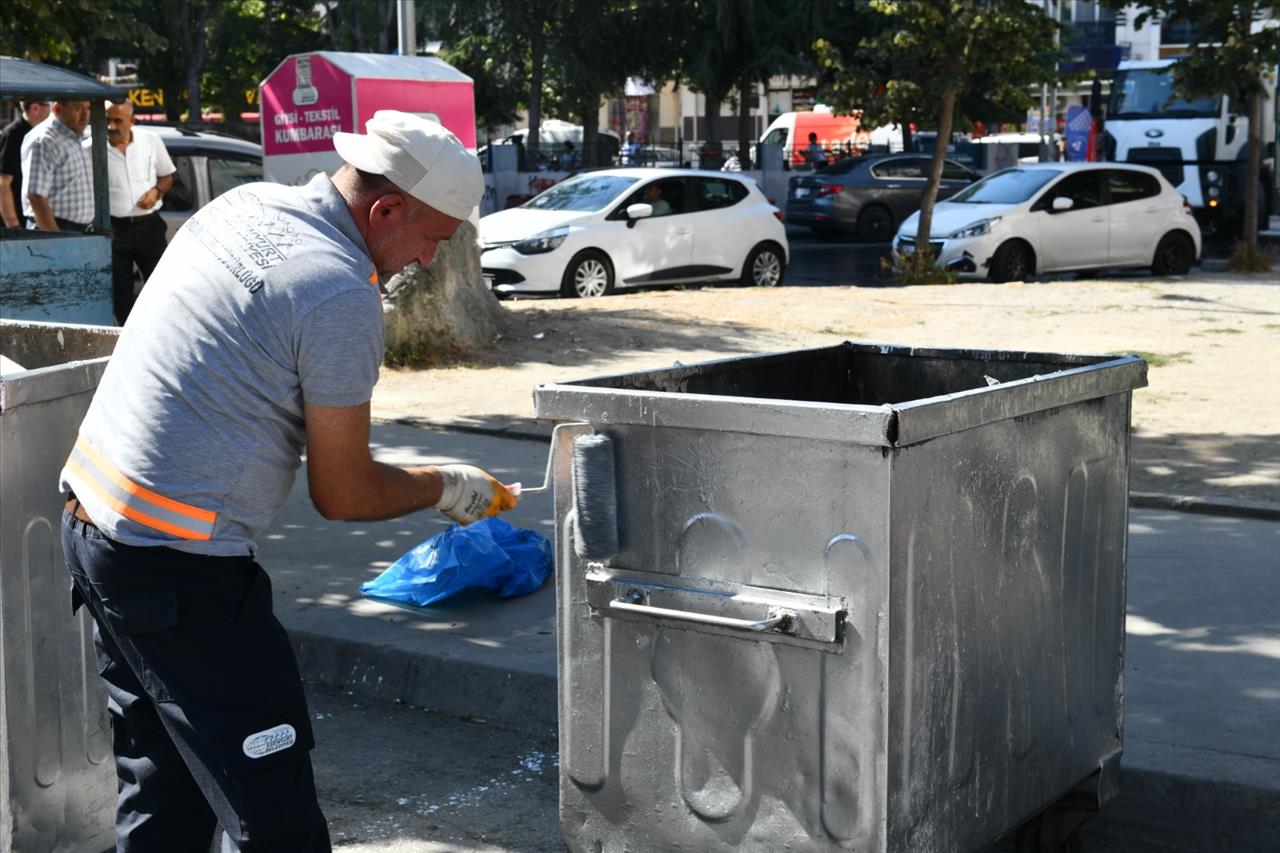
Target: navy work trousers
209	721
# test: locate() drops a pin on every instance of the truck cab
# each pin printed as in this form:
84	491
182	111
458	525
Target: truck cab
1198	145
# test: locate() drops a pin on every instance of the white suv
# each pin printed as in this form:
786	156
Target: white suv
630	227
1057	217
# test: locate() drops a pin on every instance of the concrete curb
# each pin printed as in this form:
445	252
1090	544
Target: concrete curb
530	429
520	700
1265	510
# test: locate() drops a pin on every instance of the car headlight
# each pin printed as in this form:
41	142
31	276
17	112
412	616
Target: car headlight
974	229
1213	176
540	243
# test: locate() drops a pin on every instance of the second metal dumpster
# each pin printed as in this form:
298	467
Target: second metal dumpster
867	598
57	779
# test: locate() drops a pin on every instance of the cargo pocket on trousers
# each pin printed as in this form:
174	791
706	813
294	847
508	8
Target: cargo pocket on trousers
268	757
135	620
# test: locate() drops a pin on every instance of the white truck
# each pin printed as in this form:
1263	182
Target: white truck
1198	145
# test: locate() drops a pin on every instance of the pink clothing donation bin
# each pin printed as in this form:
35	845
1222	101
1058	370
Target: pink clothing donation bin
311	96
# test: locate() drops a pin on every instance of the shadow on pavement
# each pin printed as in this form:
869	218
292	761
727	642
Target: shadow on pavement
1244	467
562	335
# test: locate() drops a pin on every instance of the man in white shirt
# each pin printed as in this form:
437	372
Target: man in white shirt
140	172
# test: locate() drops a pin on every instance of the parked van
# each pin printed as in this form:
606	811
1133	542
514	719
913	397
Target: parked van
1028	144
791	131
553	133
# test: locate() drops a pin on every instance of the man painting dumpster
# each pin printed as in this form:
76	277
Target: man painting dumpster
260	332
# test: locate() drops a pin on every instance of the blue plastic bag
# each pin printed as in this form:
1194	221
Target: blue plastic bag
488	554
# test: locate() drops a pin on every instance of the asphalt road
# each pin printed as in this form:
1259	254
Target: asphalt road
816	263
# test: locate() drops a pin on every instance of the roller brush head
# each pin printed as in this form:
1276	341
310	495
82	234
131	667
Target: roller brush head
595	497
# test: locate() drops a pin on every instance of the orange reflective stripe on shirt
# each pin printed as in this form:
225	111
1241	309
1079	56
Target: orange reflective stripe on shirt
136	502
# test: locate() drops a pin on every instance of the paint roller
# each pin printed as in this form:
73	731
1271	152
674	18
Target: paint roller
595	493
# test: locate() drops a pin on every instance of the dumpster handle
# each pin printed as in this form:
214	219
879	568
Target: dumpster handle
777	619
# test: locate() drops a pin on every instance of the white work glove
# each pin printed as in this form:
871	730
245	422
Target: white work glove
469	494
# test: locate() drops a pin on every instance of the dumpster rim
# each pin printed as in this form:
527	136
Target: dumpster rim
884	425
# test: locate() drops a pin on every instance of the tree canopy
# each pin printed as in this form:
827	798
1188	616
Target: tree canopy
933	60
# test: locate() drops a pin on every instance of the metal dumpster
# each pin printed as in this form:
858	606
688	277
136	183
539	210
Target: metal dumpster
57	779
867	598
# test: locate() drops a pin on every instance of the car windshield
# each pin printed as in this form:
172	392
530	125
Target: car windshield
1149	93
1011	186
584	193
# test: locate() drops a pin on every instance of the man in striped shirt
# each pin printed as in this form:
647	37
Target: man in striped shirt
57	176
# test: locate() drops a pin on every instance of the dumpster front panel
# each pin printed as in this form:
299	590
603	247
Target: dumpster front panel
969	505
58	786
687	724
1007	622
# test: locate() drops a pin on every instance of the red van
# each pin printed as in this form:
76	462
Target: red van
791	130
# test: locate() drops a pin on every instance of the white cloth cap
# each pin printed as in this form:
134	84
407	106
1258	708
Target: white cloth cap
420	157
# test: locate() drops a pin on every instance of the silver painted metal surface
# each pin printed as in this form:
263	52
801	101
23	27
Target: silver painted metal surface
947	530
57	779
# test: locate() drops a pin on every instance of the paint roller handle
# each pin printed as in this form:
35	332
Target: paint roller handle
469	494
520	489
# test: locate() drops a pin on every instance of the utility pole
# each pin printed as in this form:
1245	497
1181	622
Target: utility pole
1053	101
1044	95
405	21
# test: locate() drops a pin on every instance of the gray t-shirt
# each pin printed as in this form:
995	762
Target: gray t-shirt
262	301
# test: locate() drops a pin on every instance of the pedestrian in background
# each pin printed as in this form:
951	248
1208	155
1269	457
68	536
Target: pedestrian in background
33	112
568	157
57	177
813	154
630	151
733	164
140	172
261	334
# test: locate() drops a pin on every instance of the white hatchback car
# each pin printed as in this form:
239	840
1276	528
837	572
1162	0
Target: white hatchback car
1058	217
626	227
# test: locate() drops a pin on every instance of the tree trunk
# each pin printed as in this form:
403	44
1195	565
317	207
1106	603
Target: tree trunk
357	27
746	92
537	59
935	171
1253	166
386	25
711	123
195	37
444	310
590	132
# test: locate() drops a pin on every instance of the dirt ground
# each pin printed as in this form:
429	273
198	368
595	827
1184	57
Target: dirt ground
1207	425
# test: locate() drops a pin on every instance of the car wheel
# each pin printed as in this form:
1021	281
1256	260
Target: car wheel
764	266
875	225
1014	261
1174	255
588	275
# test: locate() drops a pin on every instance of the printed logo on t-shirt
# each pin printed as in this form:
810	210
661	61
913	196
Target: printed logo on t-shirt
248	239
262	744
